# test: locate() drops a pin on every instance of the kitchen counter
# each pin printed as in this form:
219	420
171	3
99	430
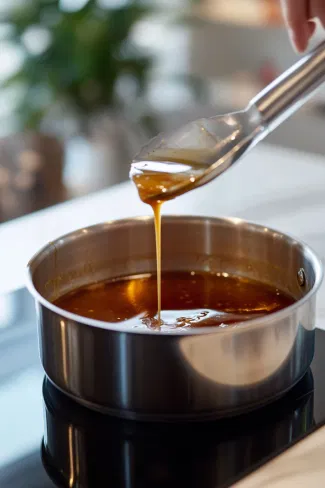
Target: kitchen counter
301	465
278	187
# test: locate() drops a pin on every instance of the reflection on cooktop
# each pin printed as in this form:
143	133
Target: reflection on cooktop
84	449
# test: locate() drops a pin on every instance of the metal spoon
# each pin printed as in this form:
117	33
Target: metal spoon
207	147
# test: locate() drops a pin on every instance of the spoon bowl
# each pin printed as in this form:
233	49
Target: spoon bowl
196	153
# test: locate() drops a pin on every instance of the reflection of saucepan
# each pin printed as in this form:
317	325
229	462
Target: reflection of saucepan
181	374
87	449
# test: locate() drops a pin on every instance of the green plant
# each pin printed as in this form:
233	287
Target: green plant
85	53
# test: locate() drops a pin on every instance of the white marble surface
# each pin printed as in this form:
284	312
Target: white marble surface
280	188
300	466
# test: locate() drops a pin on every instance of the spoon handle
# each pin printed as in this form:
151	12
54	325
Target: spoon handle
291	90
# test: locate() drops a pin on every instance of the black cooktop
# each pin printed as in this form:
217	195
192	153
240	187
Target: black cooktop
66	445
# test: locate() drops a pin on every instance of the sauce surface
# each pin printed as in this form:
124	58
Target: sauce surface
160	180
188	299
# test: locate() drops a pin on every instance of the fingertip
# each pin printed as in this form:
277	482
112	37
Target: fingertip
311	28
300	37
299	42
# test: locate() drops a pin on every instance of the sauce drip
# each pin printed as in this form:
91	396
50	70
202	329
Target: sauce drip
156	207
154	180
188	300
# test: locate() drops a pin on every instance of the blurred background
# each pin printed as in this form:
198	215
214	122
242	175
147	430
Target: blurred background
84	83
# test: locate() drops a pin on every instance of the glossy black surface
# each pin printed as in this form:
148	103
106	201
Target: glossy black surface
84	449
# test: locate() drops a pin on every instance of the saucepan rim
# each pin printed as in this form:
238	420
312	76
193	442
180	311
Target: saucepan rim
258	322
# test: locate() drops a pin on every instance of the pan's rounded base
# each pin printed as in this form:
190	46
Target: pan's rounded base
203	416
84	448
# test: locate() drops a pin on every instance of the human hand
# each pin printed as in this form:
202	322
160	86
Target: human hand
298	16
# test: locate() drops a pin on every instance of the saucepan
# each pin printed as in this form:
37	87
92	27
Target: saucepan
191	374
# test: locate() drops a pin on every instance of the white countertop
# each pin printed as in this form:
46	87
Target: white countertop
280	188
300	466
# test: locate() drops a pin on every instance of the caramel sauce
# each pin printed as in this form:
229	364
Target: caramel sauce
188	299
154	180
156	207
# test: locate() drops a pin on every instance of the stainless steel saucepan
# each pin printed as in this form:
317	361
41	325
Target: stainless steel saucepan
182	375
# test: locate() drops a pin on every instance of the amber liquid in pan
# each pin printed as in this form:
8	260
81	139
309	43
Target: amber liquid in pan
188	299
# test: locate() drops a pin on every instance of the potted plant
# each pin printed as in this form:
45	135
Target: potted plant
81	74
